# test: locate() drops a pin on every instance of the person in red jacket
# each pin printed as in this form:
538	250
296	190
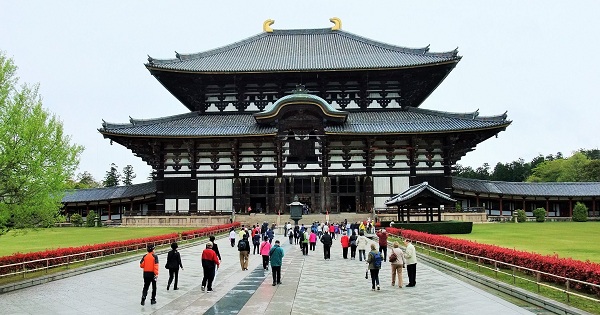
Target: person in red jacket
149	264
209	261
345	240
382	243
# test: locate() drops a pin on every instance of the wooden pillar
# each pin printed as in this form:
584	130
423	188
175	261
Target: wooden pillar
547	205
594	206
408	214
500	204
477	200
108	210
160	177
192	157
439	213
570	207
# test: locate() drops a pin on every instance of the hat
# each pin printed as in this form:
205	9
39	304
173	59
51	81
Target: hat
209	244
150	247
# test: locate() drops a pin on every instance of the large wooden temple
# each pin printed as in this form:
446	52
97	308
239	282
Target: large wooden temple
322	114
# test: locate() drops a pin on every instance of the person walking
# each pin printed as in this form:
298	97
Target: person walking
244	249
383	239
232	237
362	244
276	255
265	248
149	263
290	234
327	242
410	255
173	264
210	263
397	263
304	244
353	244
256	243
345	240
296	235
374	261
312	240
271	234
215	247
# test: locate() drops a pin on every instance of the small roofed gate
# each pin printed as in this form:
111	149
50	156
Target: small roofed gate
418	200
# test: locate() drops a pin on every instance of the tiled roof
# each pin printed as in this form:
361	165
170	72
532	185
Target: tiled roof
302	50
581	189
109	193
414	191
409	120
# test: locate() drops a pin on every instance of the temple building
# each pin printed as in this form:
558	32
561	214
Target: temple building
323	114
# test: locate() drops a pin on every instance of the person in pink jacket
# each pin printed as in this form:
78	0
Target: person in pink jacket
312	239
265	247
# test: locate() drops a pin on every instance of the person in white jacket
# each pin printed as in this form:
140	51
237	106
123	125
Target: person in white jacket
411	262
362	244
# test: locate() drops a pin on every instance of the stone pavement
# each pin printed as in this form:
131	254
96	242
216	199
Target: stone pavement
310	285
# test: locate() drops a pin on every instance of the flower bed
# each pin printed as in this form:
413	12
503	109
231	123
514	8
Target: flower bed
585	271
56	257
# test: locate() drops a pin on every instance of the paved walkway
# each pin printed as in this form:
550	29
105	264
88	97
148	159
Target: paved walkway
310	285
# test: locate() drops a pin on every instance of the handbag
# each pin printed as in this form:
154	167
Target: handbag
393	257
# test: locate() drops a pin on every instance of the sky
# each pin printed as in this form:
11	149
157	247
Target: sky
532	59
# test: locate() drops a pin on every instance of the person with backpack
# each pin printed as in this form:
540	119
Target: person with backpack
374	261
149	264
244	249
255	243
276	257
304	243
173	264
327	242
290	234
353	243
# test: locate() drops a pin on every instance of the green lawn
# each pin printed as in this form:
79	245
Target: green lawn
578	240
42	239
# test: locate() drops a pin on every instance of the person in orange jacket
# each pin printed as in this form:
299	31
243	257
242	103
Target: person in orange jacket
149	264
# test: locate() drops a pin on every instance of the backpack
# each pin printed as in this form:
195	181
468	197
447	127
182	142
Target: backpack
353	242
242	245
376	259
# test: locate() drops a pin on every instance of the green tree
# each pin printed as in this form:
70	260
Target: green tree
128	175
580	212
76	219
90	219
521	215
83	181
539	214
112	177
36	157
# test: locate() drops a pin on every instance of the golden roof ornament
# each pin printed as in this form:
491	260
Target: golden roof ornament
337	23
267	26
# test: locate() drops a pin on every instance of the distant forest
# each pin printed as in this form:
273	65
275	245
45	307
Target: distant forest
582	166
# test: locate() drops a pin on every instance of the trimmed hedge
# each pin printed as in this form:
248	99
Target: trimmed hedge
564	267
444	227
56	257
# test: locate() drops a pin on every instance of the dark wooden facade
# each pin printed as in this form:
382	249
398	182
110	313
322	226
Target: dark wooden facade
342	133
